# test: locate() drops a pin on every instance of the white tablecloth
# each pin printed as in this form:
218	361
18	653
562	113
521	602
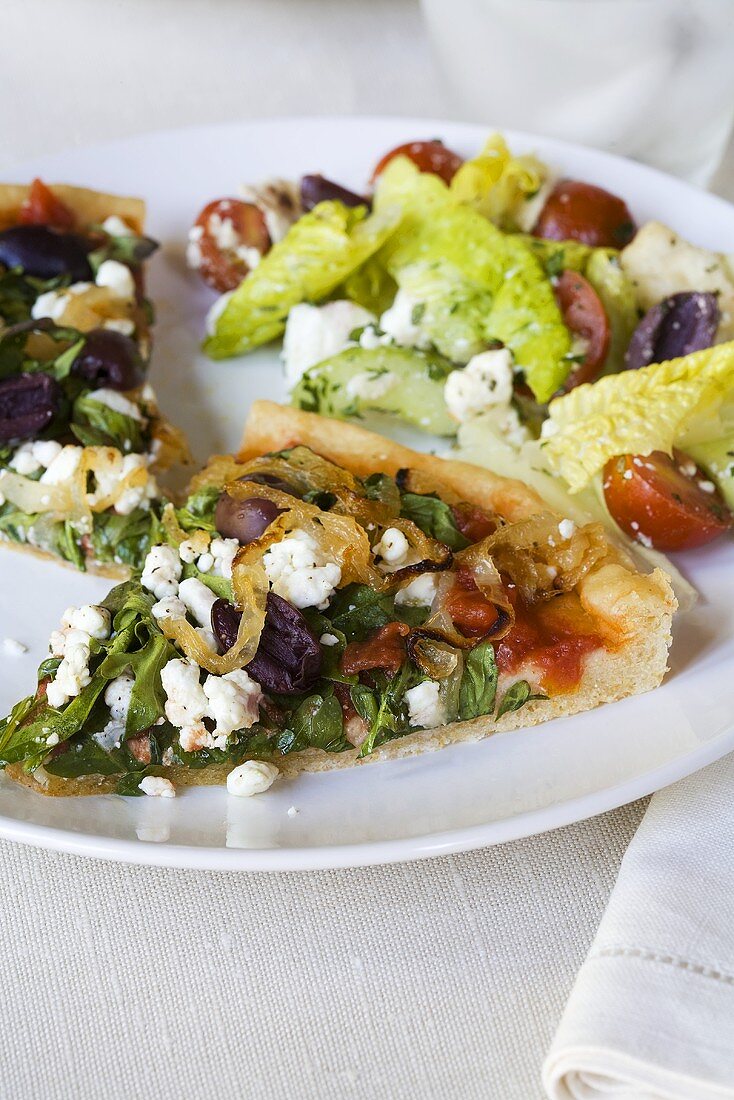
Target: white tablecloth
438	979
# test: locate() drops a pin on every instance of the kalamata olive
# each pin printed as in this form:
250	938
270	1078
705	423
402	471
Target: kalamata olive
44	252
109	360
244	520
316	189
28	404
679	325
288	658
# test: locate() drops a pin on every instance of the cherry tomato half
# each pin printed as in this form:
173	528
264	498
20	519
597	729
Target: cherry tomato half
665	502
221	232
584	315
427	156
41	207
581	212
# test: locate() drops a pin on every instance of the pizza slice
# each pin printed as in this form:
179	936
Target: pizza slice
326	598
81	437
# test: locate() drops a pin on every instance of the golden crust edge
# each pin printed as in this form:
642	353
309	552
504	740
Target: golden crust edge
89	206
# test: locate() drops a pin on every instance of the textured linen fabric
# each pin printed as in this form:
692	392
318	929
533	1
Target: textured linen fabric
651	1015
434	979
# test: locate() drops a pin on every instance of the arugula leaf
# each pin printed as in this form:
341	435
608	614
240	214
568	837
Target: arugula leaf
83	757
130	249
97	425
390	717
125	539
517	696
434	517
478	687
198	511
318	723
358	610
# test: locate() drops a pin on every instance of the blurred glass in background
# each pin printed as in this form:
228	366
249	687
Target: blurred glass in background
649	79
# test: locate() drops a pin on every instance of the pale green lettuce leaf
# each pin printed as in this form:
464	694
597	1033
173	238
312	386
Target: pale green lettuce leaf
684	402
490	282
318	253
617	295
498	184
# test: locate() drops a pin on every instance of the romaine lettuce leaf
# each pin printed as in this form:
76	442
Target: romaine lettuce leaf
617	295
497	184
479	284
318	253
683	402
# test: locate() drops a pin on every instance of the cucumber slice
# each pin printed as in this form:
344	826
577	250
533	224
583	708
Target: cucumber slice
717	459
403	382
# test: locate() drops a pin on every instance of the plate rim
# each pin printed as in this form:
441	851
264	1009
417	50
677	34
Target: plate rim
428	845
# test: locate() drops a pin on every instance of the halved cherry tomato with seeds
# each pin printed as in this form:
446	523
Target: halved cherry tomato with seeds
427	156
664	502
582	212
584	315
222	232
41	207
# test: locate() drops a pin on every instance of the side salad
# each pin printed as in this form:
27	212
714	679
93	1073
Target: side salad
493	302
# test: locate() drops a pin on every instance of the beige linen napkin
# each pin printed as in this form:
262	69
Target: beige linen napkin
651	1016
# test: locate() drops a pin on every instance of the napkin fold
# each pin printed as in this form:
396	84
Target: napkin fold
651	1016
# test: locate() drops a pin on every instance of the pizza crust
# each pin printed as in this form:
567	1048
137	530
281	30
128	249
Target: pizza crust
89	207
633	611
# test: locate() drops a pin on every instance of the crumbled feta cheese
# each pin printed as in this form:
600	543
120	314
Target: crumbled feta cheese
280	203
252	777
73	674
393	547
566	528
46	450
707	486
292	811
123	325
64	466
371	385
92	619
397	322
24	461
13	648
157	786
198	599
51	304
223	232
299	573
117	696
234	701
329	639
420	592
195	737
425	706
223	551
186	702
116	227
205	562
315	333
117	278
216	311
117	401
161	572
371	338
52	740
187	551
485	382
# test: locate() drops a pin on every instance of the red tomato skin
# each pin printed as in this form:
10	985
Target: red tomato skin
584	314
651	498
41	207
222	269
428	156
582	212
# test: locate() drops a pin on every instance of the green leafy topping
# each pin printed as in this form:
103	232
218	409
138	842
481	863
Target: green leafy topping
358	610
478	688
434	517
317	723
517	696
97	425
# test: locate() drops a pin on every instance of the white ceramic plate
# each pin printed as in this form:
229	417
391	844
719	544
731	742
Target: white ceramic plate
463	797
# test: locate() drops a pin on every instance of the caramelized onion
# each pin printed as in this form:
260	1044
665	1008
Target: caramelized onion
536	557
